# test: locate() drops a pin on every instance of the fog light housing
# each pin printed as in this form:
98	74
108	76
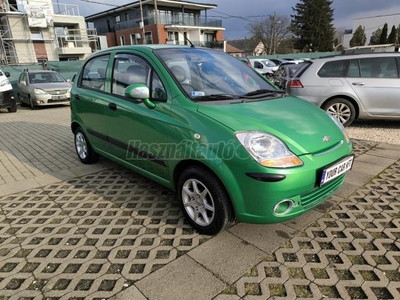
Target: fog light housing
283	207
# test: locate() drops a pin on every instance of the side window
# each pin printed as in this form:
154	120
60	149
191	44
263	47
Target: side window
354	70
128	69
333	68
379	67
258	65
157	89
94	73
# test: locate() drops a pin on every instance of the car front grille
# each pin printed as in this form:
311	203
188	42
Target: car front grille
58	92
318	195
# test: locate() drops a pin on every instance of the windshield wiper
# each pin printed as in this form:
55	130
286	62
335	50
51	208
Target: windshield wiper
216	97
262	93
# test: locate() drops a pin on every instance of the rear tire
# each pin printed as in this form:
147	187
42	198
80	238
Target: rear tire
83	148
342	109
204	200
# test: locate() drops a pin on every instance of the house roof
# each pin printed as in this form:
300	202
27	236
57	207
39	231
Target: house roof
167	3
232	49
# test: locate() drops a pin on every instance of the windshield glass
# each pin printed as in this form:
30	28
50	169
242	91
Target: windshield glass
46	77
213	75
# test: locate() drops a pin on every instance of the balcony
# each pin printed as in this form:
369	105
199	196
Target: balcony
76	42
168	21
66	9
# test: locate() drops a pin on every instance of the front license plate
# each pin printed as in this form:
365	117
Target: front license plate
336	170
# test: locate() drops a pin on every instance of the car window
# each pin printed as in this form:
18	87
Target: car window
128	69
334	68
354	69
157	88
378	67
94	71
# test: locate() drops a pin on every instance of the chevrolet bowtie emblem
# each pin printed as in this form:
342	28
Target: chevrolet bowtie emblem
326	139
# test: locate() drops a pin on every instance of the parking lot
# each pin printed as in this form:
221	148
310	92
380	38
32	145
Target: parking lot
73	231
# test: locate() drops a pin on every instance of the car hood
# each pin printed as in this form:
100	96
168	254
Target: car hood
304	127
51	86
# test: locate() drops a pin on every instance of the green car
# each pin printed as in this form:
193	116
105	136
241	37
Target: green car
210	128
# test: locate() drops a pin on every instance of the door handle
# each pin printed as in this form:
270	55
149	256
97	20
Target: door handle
112	106
358	83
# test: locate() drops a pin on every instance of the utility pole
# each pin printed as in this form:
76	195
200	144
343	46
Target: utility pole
142	22
156	20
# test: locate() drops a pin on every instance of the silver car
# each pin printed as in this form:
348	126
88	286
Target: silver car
350	87
43	87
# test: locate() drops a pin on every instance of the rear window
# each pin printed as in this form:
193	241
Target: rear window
335	68
304	66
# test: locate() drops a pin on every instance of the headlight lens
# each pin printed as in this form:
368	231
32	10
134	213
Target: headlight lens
4	82
340	125
268	150
39	91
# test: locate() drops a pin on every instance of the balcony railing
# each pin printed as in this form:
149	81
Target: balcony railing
135	23
66	9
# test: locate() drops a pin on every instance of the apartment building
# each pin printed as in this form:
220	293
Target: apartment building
159	22
36	31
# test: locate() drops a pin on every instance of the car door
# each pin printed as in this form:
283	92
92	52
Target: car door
376	83
92	101
138	134
22	88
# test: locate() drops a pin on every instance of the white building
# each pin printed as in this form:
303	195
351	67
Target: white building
370	25
38	30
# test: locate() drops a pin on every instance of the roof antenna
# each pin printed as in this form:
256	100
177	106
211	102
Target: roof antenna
185	37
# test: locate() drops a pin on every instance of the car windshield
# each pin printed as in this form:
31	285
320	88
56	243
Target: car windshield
46	77
208	75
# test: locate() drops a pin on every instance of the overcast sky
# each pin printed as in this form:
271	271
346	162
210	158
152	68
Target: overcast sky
237	13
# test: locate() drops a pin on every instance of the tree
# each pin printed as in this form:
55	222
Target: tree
392	36
271	31
359	38
384	35
375	36
312	25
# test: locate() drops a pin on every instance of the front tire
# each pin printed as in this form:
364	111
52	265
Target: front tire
341	109
31	103
83	148
12	109
204	200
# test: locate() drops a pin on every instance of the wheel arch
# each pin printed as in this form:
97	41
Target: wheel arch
184	164
351	99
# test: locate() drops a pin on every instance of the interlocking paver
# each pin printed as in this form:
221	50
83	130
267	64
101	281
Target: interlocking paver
71	231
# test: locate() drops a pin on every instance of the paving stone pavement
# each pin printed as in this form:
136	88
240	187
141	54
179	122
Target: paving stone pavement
69	231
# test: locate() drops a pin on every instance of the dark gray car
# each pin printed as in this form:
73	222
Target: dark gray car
363	86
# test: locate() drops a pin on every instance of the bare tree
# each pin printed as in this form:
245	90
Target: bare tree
271	31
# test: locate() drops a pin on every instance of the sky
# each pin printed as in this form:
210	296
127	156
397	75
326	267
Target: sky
236	14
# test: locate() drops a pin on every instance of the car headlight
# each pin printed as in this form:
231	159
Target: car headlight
4	82
39	91
340	125
268	150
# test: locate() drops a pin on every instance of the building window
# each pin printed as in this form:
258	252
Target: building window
36	35
122	40
118	19
149	37
134	38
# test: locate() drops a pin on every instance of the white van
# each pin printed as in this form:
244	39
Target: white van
264	66
7	99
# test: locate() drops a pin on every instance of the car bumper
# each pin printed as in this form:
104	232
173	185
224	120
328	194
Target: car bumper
7	99
46	100
289	192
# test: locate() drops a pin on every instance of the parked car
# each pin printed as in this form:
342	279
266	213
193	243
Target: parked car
42	88
207	126
284	74
263	66
7	99
350	87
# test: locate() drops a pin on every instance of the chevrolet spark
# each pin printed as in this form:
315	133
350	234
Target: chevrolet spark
207	126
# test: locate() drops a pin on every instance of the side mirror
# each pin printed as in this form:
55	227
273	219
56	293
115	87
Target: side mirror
23	82
7	74
140	91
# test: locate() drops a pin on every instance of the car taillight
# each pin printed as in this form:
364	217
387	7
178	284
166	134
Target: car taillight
295	84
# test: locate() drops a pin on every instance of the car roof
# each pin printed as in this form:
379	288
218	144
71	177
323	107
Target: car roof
40	71
356	56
